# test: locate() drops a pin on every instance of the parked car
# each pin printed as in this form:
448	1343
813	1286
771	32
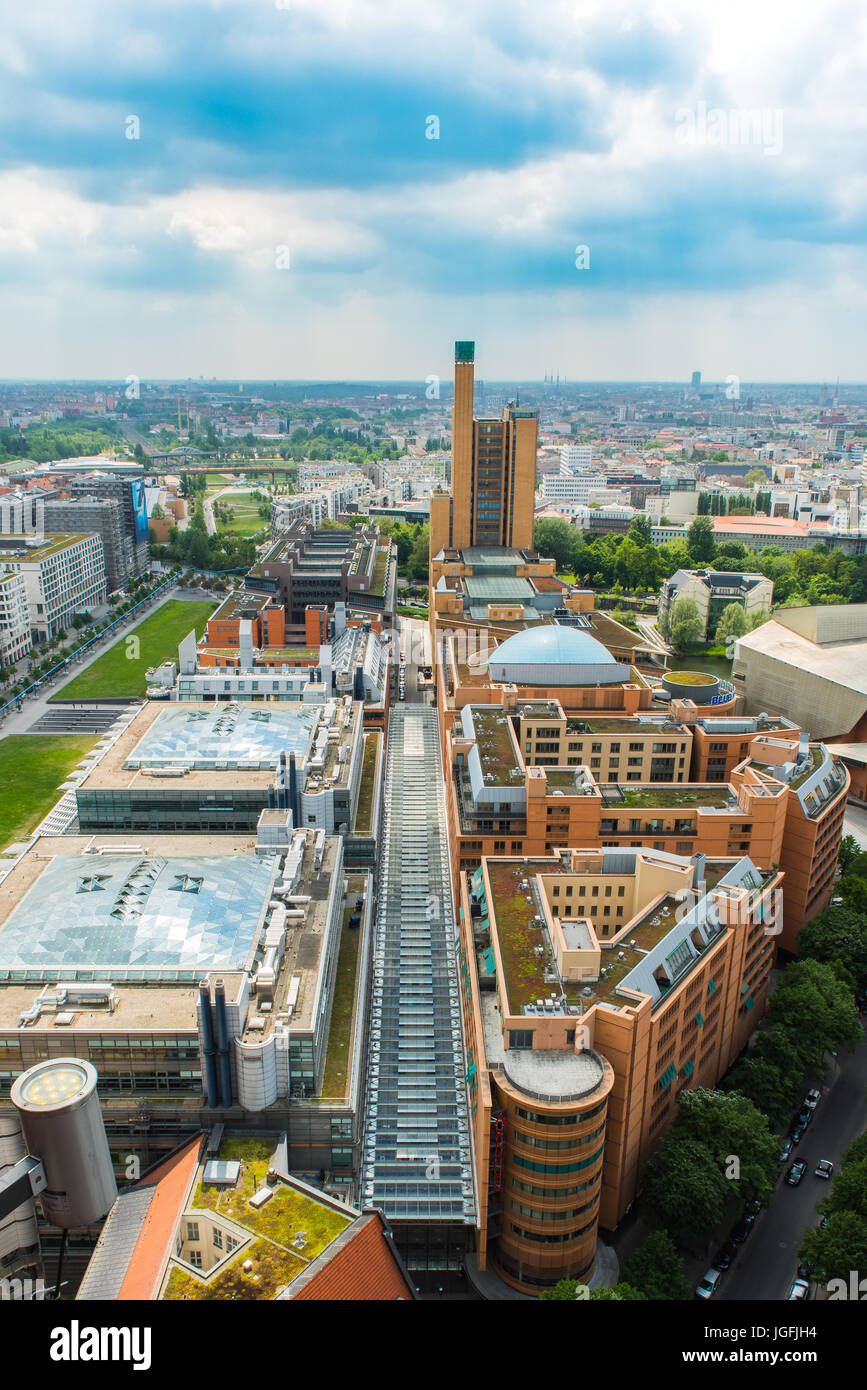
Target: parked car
823	1169
743	1229
708	1284
786	1150
803	1118
800	1289
812	1098
798	1133
796	1172
725	1255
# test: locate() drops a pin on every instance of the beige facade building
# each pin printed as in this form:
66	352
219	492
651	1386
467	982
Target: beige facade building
493	473
15	640
713	591
809	664
63	575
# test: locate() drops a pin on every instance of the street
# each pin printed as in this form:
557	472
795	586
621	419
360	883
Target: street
767	1262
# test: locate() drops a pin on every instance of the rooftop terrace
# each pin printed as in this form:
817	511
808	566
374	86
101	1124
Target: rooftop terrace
279	1239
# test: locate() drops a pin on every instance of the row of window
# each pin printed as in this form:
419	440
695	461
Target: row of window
553	1237
540	1119
536	1167
539	1215
534	1190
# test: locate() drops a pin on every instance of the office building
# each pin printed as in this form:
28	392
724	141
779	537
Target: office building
64	575
104	517
811	665
493	481
15	639
580	1038
308	567
199	975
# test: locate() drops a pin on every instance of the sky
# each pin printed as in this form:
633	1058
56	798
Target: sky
339	189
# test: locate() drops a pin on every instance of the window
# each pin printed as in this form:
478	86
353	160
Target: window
192	1230
520	1037
195	1259
217	1237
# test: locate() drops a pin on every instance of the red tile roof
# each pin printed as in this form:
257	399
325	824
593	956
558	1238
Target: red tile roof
363	1269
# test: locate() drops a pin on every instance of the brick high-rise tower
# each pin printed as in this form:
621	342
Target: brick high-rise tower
493	480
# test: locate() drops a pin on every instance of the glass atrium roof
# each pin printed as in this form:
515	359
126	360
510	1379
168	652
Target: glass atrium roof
416	1161
138	916
224	736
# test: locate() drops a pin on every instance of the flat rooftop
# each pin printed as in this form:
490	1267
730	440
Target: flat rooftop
223	737
13	547
167	911
223	744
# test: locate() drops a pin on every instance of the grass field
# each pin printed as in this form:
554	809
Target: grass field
246	520
31	770
116	673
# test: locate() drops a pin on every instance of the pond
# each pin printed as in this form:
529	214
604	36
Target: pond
713	665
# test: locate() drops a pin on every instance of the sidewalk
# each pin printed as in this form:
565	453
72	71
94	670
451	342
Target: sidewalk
34	706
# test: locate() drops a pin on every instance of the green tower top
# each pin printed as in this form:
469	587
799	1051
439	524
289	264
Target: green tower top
465	352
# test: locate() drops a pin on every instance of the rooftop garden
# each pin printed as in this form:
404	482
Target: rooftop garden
272	1268
689	678
495	746
380	571
337	1058
670	797
280	1219
518	934
814	761
364	811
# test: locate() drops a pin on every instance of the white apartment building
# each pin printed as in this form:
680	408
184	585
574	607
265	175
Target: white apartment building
571	488
574	456
63	575
15	640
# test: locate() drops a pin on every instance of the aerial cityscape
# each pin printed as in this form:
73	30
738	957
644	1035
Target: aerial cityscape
448	691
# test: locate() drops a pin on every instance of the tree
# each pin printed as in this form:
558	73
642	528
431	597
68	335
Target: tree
841	1247
157	513
756	475
656	1269
849	1189
849	852
557	540
732	622
838	934
639	530
567	1291
700	540
728	1124
772	1091
812	1005
685	624
685	1189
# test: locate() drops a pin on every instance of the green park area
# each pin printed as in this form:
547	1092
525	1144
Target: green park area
31	771
238	513
121	670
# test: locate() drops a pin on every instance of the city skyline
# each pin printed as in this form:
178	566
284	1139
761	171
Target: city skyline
337	191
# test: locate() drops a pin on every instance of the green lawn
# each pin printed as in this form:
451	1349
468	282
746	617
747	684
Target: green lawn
337	1062
246	520
117	674
31	770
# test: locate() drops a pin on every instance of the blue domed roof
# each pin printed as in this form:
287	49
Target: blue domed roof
552	645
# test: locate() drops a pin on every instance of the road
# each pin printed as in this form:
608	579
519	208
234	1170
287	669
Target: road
855	823
414	643
767	1262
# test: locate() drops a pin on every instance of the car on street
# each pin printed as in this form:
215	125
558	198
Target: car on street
743	1229
708	1284
724	1256
786	1150
804	1118
796	1172
798	1134
823	1169
811	1099
800	1289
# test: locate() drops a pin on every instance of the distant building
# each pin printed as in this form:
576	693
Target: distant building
713	591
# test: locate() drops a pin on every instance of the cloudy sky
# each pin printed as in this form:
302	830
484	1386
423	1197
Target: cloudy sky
249	188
